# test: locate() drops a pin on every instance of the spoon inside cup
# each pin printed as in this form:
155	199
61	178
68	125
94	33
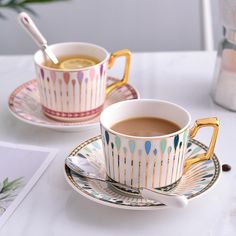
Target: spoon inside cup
30	27
86	168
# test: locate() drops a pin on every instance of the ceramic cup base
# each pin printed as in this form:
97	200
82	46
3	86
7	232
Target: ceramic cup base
72	117
128	190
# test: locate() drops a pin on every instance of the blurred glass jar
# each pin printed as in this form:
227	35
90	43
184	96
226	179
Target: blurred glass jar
224	84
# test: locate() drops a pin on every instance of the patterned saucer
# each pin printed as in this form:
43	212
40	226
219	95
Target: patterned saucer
24	104
196	181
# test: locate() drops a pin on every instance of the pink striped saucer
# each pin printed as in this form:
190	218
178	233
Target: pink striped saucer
24	104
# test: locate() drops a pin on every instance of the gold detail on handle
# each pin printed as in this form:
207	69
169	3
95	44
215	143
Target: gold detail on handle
122	53
207	122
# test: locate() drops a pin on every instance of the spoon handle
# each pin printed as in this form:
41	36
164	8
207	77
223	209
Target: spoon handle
170	199
36	35
32	29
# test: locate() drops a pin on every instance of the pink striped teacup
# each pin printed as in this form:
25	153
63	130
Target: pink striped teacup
77	94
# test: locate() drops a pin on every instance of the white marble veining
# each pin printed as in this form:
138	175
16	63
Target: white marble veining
53	208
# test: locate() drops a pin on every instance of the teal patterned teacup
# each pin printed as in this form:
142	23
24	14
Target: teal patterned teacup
152	162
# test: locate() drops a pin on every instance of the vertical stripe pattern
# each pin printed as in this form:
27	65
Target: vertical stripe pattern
72	92
145	163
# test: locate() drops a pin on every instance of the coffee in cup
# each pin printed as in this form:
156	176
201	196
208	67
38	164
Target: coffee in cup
145	126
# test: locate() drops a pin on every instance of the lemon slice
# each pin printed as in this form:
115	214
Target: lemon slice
77	63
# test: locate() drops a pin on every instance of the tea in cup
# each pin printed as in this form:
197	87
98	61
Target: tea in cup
145	142
75	89
71	62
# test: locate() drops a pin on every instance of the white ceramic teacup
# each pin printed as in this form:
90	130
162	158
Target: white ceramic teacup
152	162
77	94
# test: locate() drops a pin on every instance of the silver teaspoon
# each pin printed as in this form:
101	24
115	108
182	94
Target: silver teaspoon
30	27
85	168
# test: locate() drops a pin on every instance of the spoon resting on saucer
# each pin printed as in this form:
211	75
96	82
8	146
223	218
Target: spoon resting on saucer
86	168
30	27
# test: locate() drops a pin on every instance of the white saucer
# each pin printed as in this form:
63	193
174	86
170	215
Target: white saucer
24	104
196	181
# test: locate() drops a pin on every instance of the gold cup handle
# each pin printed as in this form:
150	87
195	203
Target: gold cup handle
207	122
122	53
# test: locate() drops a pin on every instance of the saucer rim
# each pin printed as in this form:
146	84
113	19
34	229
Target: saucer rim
79	190
57	125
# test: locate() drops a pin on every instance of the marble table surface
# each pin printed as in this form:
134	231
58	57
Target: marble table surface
53	208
